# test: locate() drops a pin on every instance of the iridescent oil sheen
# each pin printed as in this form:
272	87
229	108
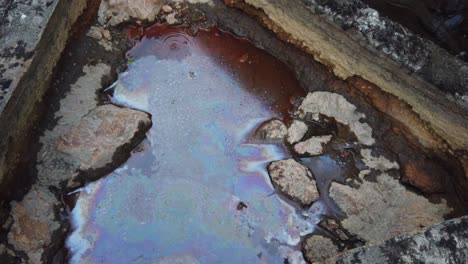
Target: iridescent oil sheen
198	191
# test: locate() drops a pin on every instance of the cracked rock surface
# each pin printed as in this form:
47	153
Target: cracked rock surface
383	209
446	242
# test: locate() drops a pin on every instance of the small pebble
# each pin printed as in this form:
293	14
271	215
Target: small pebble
244	58
95	33
167	9
106	34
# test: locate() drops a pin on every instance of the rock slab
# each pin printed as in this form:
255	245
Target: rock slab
380	210
442	243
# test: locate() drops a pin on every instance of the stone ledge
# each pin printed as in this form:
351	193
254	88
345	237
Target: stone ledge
33	38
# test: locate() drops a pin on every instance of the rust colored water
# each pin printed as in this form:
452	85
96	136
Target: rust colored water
198	192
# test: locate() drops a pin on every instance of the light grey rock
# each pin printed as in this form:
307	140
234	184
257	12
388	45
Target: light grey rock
271	131
336	106
312	146
442	243
378	163
296	131
294	180
383	209
95	33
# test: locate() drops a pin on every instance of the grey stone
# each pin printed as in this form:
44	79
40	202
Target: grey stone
296	131
336	106
383	209
271	131
95	33
443	243
312	146
294	180
317	248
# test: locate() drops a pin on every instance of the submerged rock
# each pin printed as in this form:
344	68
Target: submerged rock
446	242
383	209
318	248
296	131
100	135
271	131
312	146
336	106
294	180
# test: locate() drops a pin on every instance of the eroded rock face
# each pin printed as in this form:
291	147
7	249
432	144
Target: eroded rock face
294	180
296	131
271	131
318	248
383	209
426	176
312	146
99	135
115	12
446	242
336	106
